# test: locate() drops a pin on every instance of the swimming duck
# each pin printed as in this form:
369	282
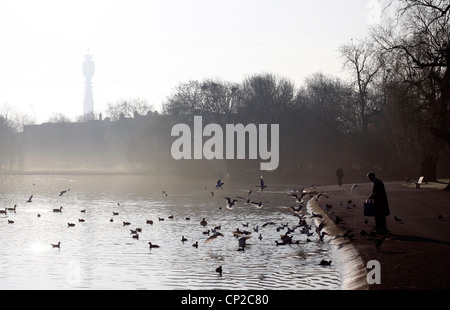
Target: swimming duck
183	239
324	262
126	223
219	270
71	224
150	245
149	222
195	245
56	245
203	222
58	210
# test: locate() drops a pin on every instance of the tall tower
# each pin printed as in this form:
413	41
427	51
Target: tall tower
88	72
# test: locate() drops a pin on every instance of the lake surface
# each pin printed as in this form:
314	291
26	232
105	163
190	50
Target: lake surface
100	254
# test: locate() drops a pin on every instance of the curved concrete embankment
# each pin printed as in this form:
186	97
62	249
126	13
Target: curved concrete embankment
345	255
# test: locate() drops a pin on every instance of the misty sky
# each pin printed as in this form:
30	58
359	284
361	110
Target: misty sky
145	48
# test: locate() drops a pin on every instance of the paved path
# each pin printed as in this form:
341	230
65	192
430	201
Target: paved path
416	254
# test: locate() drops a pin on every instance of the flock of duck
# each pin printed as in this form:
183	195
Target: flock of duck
285	231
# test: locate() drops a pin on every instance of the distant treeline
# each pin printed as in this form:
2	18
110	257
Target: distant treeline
392	113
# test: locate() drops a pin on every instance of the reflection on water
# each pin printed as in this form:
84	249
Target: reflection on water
102	254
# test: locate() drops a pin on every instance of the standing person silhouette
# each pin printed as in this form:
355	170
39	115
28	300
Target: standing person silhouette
379	196
339	175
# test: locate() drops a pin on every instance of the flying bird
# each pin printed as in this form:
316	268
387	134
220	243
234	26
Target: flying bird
219	183
247	200
242	242
213	237
230	203
351	189
261	184
63	192
258	205
298	199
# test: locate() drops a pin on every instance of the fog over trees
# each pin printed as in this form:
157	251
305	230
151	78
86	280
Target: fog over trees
390	114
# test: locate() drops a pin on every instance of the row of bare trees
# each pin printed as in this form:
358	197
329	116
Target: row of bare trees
394	108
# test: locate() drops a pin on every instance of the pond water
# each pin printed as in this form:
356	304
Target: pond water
98	253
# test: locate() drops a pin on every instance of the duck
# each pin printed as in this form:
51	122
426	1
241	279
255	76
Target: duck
12	209
150	245
83	211
126	223
149	222
115	213
203	222
135	236
58	210
58	245
3	211
324	262
170	217
80	220
70	224
195	245
183	239
10	222
219	270
160	219
111	220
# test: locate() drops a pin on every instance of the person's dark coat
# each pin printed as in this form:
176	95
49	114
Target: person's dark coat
380	198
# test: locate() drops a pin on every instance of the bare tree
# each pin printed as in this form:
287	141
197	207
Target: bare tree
128	108
365	65
419	37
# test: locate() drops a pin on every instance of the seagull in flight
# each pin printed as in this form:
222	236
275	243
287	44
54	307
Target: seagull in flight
63	192
230	203
247	200
351	189
219	183
242	242
258	205
298	199
261	184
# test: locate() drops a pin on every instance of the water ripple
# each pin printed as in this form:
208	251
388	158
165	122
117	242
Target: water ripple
100	254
